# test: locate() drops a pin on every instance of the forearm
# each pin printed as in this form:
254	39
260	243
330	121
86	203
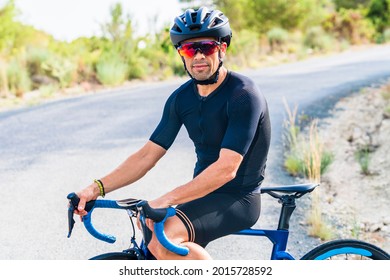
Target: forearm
208	181
132	169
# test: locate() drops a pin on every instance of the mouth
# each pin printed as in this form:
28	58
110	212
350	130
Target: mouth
200	66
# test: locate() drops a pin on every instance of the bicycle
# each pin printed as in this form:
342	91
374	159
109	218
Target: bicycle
286	195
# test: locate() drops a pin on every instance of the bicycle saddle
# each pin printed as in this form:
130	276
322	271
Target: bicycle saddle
298	189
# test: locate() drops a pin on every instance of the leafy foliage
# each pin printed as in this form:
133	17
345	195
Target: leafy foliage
260	28
379	13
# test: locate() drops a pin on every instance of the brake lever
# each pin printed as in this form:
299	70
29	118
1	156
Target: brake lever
73	204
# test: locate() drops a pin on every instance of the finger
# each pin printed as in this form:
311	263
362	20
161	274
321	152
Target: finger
81	205
150	224
138	221
138	224
80	213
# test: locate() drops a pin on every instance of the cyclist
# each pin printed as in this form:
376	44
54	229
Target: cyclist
227	119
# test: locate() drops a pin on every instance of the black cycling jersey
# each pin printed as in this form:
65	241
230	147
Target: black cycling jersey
234	116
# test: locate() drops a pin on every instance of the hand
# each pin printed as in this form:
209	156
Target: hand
158	203
149	223
89	193
155	204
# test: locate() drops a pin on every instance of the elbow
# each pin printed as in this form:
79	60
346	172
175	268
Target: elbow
228	165
229	173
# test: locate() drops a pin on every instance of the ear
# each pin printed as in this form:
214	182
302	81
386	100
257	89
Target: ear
222	50
224	47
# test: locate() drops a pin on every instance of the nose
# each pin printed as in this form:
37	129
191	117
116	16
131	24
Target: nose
198	52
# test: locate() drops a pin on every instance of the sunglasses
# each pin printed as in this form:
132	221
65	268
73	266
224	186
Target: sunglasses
205	47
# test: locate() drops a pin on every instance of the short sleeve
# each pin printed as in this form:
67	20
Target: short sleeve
244	113
169	126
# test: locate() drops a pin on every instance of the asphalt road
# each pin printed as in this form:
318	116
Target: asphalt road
50	150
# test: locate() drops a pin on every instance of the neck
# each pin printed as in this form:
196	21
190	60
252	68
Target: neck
205	90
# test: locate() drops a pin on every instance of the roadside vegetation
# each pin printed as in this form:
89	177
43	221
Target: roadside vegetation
308	159
265	32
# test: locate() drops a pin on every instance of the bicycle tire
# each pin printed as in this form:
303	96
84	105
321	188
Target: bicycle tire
116	256
346	249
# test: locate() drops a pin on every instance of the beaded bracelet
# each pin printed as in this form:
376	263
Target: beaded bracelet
101	187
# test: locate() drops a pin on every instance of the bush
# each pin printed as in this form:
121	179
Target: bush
18	79
350	25
35	57
317	39
379	14
277	38
111	70
61	69
244	49
386	35
138	67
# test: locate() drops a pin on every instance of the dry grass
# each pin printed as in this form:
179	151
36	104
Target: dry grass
307	157
313	160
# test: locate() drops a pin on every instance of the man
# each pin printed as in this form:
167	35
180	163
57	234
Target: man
227	119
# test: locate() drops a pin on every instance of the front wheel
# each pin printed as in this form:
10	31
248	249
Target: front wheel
118	256
347	249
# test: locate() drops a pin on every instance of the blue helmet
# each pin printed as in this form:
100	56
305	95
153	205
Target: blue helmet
201	23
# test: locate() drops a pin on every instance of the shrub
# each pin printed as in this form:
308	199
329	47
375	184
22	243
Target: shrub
350	25
138	67
386	35
18	79
111	70
317	39
35	58
61	69
245	49
379	14
277	38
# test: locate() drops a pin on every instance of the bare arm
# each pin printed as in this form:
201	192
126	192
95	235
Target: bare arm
134	167
213	177
131	170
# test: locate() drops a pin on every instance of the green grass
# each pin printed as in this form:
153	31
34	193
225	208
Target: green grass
363	157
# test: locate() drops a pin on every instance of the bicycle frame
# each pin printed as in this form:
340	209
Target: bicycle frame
279	238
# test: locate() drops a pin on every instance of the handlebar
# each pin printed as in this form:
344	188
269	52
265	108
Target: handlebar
159	216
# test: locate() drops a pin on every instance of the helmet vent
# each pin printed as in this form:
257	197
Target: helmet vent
200	23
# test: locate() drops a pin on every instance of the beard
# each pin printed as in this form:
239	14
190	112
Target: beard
201	70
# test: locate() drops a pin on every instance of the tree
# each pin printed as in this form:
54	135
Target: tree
351	4
14	38
379	14
7	34
263	15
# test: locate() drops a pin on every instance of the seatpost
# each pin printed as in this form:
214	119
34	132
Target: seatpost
288	207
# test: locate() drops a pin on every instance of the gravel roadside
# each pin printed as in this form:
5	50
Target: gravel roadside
353	201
